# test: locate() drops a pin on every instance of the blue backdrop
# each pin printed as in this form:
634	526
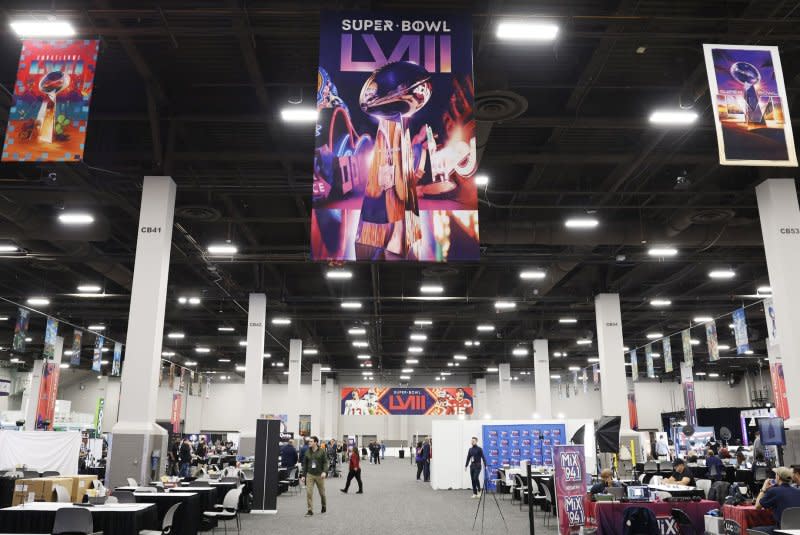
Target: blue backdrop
510	444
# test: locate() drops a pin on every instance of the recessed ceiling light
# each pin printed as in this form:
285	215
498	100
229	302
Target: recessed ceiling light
279	364
412	361
673	117
748	352
662	251
104	350
527	31
415	349
445	374
182	300
357	331
567	320
325	368
202	350
267	355
491	370
654	336
68	352
519	352
38	301
29	339
660	302
405	377
532	274
431	288
194	300
96	327
339	274
408	370
468	343
311	351
76	218
225	329
223	360
557	354
655	355
299	114
459	357
593	359
360	343
504	305
42	28
694	342
366	373
285	373
581	222
240	368
89	288
418	337
584	342
722	274
243	343
8	248
482	180
223	249
351	305
700	373
423	323
713	375
363	357
167	353
485	327
574	368
702	319
104	362
281	321
176	335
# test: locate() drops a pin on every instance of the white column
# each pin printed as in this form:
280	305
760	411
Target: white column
327	422
481	399
30	398
504	393
316	399
130	452
254	371
541	377
780	226
613	385
293	388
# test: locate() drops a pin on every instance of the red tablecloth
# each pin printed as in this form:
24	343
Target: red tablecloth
740	518
608	515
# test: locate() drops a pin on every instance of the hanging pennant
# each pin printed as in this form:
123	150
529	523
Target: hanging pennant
633	414
740	331
97	354
711	341
160	372
21	330
172	376
690	406
595	373
634	365
667	347
208	387
116	364
182	381
50	335
772	324
77	339
686	342
648	354
585	381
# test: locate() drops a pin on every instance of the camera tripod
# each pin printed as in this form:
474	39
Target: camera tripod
481	509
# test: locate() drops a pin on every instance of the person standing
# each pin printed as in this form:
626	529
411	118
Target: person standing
315	470
419	459
185	457
426	460
354	472
383	450
288	454
475	461
303	449
758	447
716	470
173	468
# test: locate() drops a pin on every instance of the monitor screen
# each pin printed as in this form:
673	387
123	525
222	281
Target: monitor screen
772	433
638	493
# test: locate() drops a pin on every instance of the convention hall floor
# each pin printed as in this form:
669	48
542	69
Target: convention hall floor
393	502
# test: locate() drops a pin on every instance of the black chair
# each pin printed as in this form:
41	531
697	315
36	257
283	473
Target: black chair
500	484
166	525
683	520
790	519
73	520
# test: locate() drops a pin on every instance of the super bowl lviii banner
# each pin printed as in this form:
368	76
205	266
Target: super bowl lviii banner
97	353
48	117
395	154
421	401
751	111
75	358
570	484
50	335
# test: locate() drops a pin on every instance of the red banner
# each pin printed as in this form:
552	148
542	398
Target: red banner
779	390
48	392
175	417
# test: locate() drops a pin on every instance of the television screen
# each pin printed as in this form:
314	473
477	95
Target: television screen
772	433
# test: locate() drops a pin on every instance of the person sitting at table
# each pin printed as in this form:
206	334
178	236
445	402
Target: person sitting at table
288	454
714	465
776	495
680	475
606	481
796	476
741	460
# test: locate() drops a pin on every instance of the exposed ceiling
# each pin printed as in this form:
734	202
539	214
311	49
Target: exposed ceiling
193	90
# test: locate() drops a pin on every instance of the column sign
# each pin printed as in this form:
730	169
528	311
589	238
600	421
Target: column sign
570	485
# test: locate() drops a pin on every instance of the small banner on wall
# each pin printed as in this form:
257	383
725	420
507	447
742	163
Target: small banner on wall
666	344
570	482
711	341
97	354
686	342
50	335
395	151
690	406
48	392
421	401
77	340
21	330
633	413
751	110
49	115
740	331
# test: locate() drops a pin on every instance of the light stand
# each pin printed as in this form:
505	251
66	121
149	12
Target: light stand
482	504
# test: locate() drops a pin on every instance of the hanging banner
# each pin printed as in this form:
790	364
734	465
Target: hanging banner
585	381
304	428
395	152
171	376
750	105
48	117
648	355
634	365
50	335
570	482
99	412
779	389
116	364
182	380
595	373
689	404
686	342
48	392
432	401
21	330
97	354
772	325
77	338
740	331
175	415
667	348
633	414
208	387
711	341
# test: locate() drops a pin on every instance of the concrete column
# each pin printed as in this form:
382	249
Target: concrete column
30	397
780	226
293	388
254	372
613	385
541	377
481	399
316	399
331	410
505	406
135	435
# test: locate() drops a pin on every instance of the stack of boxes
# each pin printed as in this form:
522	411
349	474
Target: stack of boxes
40	489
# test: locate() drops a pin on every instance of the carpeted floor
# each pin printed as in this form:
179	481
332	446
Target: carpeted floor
393	502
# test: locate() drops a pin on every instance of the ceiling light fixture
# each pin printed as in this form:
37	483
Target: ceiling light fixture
673	117
694	342
431	288
311	351
352	305
267	355
339	274
764	290
491	370
240	368
243	343
660	302
412	361
357	331
423	323
459	357
722	274
405	377
482	180
167	353
581	223
281	321
567	320
176	336
700	373
223	249
408	370
504	305
360	343
223	360
26	28
8	248
299	114
363	357
325	369
64	365
519	352
592	360
415	349
88	288
532	274
225	329
713	375
527	31
555	376
485	327
723	347
654	336
418	337
76	218
662	251
38	301
574	368
202	349
702	319
584	342
190	363
96	327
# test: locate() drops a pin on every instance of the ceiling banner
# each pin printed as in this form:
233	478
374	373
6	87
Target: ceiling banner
750	105
21	330
116	364
50	335
77	338
686	342
48	117
634	365
648	355
97	354
395	152
432	401
666	343
711	341
740	331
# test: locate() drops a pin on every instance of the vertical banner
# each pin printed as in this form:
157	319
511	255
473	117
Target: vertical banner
395	151
116	364
690	406
751	110
585	381
97	354
779	389
182	380
77	338
667	347
648	355
711	341
772	325
50	334
48	392
570	486
304	428
634	365
595	374
633	414
208	387
172	376
99	412
686	342
48	117
21	330
740	331
175	415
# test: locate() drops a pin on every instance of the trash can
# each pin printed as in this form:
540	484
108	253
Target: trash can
402	453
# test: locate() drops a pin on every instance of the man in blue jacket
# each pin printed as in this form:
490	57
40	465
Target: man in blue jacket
475	461
426	460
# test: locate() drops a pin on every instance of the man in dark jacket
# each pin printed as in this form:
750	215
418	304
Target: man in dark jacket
475	461
185	455
426	460
288	455
315	470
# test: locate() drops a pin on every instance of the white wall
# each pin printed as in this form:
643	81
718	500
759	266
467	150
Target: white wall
5	373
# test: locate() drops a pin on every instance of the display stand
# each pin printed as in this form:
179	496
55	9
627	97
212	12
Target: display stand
265	473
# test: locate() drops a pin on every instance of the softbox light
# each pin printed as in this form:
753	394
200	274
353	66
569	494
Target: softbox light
577	438
607	434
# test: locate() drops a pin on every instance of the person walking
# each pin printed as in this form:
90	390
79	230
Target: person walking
354	472
173	468
185	457
475	461
426	460
315	470
383	450
419	459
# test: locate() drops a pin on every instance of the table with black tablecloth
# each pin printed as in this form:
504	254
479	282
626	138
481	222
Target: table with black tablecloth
209	497
740	518
222	487
189	515
115	519
609	515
